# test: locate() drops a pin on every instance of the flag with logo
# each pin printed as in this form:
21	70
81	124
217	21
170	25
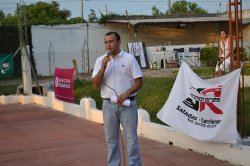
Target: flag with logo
6	65
63	84
203	109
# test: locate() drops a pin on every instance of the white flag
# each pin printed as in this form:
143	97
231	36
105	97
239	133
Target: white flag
203	109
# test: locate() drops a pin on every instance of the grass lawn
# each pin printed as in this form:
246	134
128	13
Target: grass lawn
152	96
247	111
8	89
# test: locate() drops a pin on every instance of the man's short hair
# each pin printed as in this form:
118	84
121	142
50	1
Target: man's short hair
114	33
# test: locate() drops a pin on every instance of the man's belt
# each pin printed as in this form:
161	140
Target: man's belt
131	98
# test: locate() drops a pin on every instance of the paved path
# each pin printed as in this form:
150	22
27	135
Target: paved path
31	135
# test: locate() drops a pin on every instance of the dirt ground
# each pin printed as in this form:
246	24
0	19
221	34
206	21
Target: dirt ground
32	135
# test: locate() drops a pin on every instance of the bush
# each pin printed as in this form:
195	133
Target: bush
243	54
209	56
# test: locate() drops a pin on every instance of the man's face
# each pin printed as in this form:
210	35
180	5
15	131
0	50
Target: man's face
111	43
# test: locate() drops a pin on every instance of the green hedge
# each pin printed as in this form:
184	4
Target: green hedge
209	56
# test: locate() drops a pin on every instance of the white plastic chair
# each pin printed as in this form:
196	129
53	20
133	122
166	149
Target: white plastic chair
194	54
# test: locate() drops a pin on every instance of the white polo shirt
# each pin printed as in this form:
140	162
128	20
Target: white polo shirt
119	74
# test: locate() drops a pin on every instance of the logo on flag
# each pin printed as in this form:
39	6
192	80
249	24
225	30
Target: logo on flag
6	65
204	97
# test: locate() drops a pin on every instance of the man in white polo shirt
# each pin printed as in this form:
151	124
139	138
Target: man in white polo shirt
118	75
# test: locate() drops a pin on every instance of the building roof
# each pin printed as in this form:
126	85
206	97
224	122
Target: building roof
178	20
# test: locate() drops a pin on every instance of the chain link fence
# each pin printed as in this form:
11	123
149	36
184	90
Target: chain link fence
11	76
11	73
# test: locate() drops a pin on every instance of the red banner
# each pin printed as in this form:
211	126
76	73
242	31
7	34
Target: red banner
63	84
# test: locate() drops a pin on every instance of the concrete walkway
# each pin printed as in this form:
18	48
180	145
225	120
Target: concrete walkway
31	135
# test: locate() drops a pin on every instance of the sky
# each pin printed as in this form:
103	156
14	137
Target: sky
133	7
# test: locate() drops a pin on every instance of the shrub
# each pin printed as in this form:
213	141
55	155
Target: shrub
209	56
243	54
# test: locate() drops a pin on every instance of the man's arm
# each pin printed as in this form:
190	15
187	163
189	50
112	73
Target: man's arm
138	83
97	80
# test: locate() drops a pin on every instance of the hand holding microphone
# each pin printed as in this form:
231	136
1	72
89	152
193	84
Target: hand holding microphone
106	59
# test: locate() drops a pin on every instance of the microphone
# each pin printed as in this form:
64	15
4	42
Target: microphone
108	53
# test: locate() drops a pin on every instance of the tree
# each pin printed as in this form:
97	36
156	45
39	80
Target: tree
45	13
179	7
92	16
110	15
8	20
184	7
65	14
75	20
156	11
194	9
41	13
2	15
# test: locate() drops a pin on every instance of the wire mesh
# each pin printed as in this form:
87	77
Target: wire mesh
10	45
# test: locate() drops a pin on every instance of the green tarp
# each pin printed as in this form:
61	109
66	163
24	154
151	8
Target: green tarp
6	66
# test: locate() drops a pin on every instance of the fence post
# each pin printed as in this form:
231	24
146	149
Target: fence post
26	73
76	69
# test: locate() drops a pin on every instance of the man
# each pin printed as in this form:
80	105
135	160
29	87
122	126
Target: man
118	74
